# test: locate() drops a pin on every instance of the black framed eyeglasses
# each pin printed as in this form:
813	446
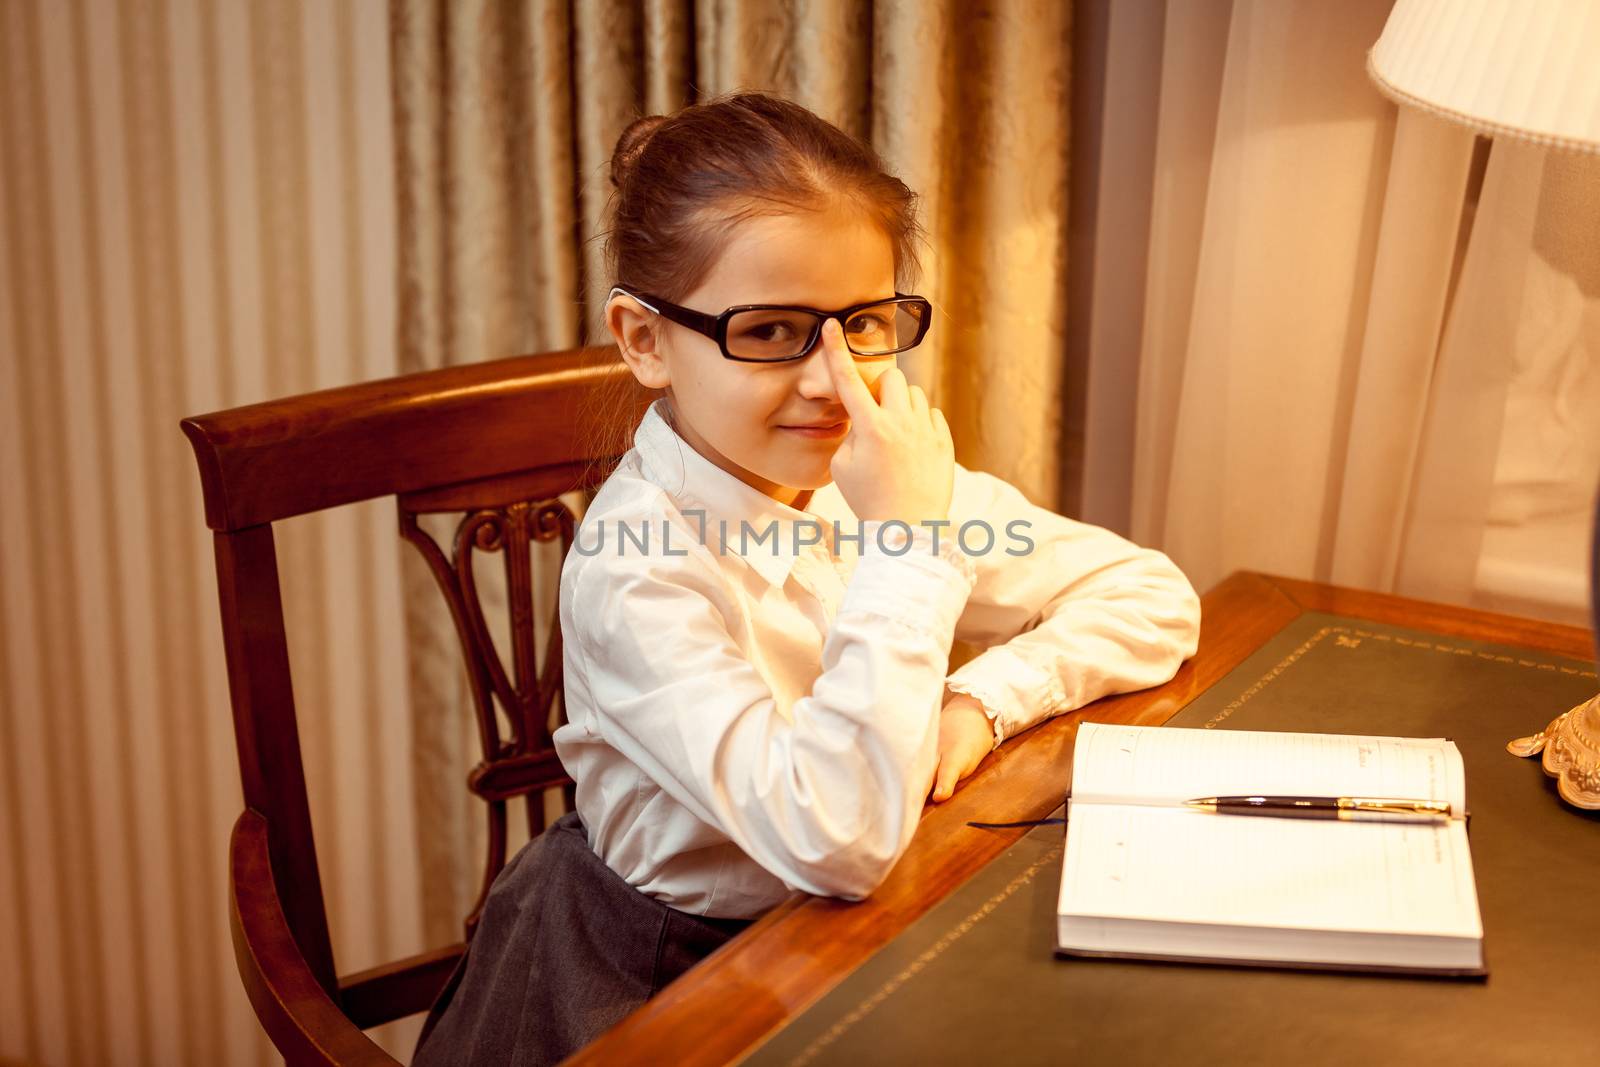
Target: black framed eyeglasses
773	333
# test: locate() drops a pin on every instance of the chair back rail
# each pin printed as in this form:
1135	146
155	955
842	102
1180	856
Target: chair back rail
497	443
400	435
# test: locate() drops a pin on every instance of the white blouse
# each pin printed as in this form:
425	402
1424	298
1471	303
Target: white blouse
750	714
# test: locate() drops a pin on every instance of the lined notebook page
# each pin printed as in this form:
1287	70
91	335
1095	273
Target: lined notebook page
1166	766
1171	865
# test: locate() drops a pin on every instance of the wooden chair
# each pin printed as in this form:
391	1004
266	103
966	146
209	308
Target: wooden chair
498	442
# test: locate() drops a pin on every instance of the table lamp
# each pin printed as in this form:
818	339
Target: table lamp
1528	71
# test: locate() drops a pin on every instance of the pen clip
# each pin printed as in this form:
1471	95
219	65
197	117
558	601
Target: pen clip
1358	806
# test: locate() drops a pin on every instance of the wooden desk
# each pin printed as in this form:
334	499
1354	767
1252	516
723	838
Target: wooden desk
796	953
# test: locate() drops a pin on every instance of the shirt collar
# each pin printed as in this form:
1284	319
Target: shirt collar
694	482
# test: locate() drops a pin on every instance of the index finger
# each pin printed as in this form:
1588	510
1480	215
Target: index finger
853	391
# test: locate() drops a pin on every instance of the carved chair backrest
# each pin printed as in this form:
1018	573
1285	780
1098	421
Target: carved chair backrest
498	443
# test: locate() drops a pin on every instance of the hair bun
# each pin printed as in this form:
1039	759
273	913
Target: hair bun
631	145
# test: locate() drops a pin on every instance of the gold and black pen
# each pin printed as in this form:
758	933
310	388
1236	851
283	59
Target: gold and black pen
1354	809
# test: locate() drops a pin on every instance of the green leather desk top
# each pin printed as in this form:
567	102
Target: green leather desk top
976	979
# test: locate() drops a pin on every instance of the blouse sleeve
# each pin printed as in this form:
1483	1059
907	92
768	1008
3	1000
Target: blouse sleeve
1072	611
828	797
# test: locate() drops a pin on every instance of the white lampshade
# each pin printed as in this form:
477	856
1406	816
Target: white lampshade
1528	69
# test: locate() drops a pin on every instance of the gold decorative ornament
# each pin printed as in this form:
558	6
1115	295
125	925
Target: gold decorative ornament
1571	747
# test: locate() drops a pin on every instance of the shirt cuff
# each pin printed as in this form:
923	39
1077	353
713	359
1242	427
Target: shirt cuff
1014	692
990	711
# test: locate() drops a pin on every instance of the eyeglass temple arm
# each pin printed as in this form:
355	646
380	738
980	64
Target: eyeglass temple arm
695	320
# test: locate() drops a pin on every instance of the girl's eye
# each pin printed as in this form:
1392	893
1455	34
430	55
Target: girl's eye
770	331
767	333
868	323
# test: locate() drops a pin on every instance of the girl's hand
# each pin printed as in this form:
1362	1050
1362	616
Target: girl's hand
966	735
897	461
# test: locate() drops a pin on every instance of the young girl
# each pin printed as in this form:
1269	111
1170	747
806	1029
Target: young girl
758	611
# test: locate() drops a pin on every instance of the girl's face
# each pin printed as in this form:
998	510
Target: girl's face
737	414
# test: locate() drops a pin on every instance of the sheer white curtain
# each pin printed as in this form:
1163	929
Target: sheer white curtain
1366	340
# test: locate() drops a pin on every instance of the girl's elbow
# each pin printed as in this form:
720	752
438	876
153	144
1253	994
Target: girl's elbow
853	871
1180	614
1186	633
1169	578
852	878
846	830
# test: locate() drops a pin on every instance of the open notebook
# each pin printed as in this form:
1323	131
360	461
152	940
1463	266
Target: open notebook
1144	876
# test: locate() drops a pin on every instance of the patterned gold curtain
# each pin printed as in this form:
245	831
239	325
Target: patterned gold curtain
506	118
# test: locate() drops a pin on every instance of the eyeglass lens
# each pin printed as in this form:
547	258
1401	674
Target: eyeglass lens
777	334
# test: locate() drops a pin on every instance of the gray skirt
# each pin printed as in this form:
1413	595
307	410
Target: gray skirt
564	950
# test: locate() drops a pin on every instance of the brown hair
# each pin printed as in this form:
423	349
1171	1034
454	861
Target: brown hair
682	182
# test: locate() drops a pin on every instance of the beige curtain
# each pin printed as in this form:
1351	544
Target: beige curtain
1366	341
507	115
196	212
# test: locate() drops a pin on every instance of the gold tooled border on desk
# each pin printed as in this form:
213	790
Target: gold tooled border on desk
1352	636
865	1008
1347	637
